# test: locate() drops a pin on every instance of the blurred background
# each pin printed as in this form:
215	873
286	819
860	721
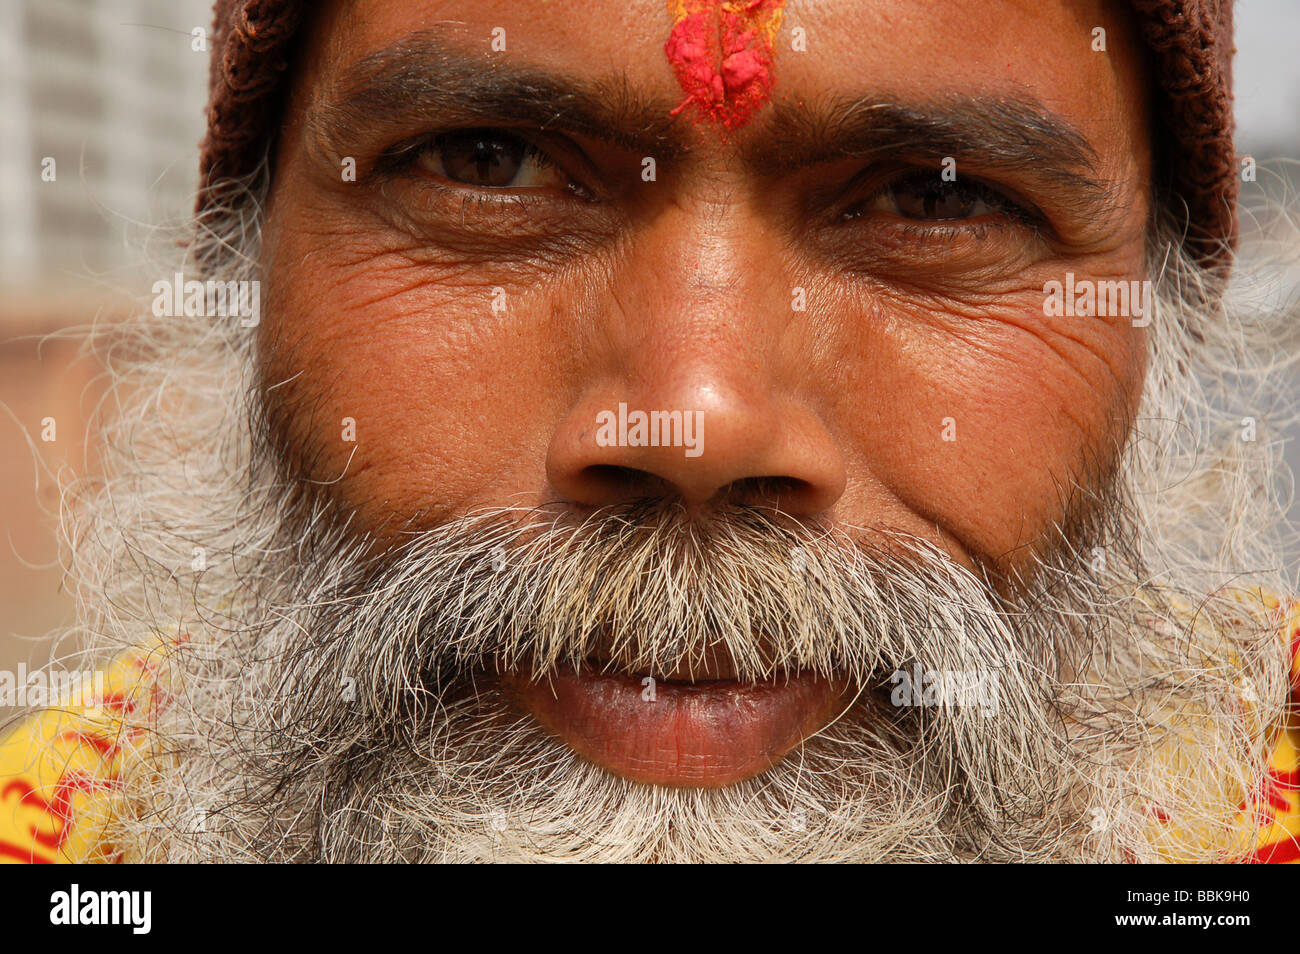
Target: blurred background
113	91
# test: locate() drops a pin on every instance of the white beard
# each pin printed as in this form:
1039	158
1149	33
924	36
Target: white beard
326	711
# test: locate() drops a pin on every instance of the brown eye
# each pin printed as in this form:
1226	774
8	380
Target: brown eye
936	200
924	196
490	160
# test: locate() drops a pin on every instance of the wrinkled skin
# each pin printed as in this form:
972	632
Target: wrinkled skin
477	689
678	293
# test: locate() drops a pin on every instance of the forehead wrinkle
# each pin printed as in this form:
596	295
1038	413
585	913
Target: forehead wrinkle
987	132
422	78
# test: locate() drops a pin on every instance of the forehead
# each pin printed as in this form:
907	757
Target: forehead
1042	50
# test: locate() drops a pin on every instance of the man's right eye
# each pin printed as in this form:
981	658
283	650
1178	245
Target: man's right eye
488	159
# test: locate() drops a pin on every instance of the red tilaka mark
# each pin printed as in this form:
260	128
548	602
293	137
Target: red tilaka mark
721	51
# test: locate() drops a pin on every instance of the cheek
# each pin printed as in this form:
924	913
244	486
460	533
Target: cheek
982	421
444	374
422	390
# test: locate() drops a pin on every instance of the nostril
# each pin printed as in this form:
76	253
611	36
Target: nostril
773	455
767	489
612	481
789	494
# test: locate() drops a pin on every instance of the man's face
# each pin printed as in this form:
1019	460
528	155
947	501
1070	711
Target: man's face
493	237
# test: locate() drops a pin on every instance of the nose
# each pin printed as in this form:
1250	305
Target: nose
703	442
697	388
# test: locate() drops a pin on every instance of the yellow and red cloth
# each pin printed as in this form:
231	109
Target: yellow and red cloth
1278	796
59	768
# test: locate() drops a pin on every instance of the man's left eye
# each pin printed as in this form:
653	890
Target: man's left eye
489	159
924	196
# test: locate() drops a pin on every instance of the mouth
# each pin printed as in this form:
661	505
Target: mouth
693	732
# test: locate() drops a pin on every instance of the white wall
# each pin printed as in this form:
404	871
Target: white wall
114	93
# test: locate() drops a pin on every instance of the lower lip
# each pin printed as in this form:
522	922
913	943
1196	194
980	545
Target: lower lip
702	735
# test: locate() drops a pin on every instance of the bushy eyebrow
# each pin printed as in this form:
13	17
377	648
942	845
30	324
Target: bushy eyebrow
993	134
425	81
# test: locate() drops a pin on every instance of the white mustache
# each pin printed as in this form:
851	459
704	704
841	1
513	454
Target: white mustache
648	591
416	632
